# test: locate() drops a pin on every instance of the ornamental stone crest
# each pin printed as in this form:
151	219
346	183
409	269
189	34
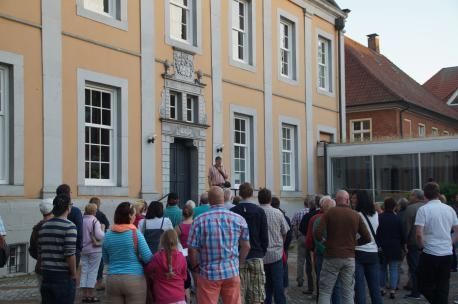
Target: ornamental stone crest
184	65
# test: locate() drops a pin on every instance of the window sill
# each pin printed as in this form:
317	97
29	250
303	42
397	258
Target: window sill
103	190
325	92
287	80
119	24
241	65
291	194
11	190
181	45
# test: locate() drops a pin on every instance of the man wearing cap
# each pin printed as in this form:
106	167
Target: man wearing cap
46	207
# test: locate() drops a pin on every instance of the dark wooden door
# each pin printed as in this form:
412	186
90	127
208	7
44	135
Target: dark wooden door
180	170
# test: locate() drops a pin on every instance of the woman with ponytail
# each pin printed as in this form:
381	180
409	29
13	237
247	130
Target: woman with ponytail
168	271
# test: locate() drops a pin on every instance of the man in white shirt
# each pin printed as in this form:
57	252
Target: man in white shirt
433	222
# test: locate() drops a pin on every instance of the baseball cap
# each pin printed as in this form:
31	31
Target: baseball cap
46	206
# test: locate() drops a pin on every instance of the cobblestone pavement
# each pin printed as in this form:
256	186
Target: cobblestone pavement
23	289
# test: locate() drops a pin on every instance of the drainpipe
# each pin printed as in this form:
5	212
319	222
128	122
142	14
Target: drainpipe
401	121
339	26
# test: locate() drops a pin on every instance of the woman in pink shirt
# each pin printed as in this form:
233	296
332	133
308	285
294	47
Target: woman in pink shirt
91	254
167	271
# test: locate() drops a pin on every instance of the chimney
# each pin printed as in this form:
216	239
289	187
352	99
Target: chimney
373	42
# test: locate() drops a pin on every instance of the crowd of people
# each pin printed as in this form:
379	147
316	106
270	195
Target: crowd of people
354	245
235	249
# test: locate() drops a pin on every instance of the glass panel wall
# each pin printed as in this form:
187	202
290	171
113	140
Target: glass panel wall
351	173
441	167
395	175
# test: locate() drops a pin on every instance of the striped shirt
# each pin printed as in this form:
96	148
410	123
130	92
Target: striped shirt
296	221
120	255
215	178
277	228
216	235
56	242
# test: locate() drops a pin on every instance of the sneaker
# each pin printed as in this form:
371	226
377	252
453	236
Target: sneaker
411	296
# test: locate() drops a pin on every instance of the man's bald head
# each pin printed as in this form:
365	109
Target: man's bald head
216	196
342	198
327	204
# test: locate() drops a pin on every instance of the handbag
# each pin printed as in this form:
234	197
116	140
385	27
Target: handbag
380	251
95	241
226	183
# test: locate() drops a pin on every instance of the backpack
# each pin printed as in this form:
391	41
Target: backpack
153	236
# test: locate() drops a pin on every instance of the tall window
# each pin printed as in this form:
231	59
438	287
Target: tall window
361	130
323	64
288	156
421	130
434	131
241	157
286	48
104	7
240	30
99	135
173	105
191	108
181	15
4	123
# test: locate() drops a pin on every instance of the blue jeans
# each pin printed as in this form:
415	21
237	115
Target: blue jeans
393	266
367	271
335	299
57	288
413	257
274	283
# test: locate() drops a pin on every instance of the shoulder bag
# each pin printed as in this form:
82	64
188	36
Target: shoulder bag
380	251
95	241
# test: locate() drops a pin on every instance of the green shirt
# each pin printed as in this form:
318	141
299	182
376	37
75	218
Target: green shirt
175	214
201	209
319	246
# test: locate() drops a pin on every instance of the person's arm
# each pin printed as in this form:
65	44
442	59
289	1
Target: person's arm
193	254
71	262
143	248
264	232
70	250
225	175
244	249
99	231
209	177
420	221
420	236
363	232
105	220
455	234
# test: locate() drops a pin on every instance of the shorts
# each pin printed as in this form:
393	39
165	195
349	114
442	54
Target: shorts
253	280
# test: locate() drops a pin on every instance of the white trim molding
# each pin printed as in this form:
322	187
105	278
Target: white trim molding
121	156
328	130
293	20
148	191
251	113
15	187
251	64
119	21
195	46
342	90
294	122
331	48
52	95
452	98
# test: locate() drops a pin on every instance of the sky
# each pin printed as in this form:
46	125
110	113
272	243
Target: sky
419	36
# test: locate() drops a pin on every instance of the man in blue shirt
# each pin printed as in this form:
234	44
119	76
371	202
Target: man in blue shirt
173	212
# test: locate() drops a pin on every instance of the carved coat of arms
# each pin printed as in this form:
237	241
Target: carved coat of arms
184	65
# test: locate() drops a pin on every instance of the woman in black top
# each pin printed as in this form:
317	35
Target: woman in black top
391	239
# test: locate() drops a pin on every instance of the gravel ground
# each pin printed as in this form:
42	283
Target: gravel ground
23	289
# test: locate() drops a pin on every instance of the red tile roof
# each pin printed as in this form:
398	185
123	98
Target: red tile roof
444	83
371	78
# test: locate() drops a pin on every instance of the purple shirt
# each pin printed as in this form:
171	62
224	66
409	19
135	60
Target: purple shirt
89	223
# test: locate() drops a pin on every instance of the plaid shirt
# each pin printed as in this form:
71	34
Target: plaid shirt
277	228
216	235
296	221
2	227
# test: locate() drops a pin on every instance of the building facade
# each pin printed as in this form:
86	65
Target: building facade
384	103
133	99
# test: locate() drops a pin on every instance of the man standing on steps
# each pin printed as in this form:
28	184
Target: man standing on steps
217	175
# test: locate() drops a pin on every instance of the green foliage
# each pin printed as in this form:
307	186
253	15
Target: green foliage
449	190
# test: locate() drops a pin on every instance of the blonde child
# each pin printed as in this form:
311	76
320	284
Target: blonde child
168	271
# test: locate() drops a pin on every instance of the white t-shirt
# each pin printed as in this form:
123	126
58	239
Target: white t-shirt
155	223
437	220
372	246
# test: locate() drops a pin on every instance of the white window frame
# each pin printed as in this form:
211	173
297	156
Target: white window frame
446	133
249	62
117	18
421	127
410	126
362	131
285	18
113	137
175	107
434	131
192	109
293	157
119	185
247	146
15	64
193	43
251	114
323	52
4	125
329	88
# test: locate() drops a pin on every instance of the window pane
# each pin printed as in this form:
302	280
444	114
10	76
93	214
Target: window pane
95	98
356	125
96	116
87	170
441	166
105	168
87	97
106	100
105	137
87	151
87	134
95	135
87	114
106	115
105	154
351	173
95	170
366	125
95	153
